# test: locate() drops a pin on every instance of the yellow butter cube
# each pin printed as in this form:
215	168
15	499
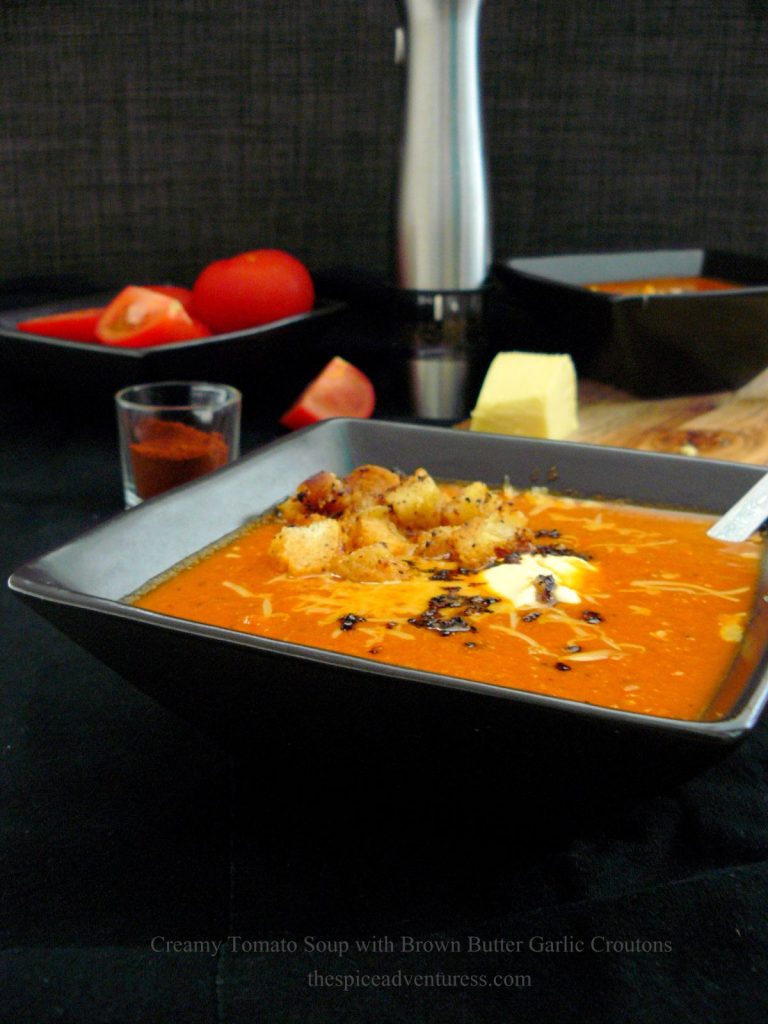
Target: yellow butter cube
532	394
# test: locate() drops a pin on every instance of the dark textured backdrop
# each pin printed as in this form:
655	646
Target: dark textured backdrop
141	140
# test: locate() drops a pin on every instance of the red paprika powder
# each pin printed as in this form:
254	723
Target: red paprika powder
171	453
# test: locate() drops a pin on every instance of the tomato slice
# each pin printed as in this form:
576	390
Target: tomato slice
340	389
184	295
76	325
141	317
203	330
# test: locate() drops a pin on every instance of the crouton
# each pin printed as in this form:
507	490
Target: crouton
292	511
471	501
434	543
417	502
374	526
322	494
371	564
303	550
366	485
484	538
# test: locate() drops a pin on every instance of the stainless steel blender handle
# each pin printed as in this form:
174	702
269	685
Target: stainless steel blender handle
443	207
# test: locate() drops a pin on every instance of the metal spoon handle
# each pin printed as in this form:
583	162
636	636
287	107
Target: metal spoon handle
747	515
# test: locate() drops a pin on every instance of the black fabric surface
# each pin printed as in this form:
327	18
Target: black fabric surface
124	835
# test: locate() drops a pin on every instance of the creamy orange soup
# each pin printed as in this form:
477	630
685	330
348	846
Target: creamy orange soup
653	615
664	286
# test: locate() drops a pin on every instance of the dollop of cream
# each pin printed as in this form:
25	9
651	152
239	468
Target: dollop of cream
516	581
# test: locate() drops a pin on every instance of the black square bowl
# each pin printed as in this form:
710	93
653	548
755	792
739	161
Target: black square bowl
651	345
276	699
268	364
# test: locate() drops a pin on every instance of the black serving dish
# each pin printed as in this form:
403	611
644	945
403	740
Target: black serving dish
280	700
270	364
651	345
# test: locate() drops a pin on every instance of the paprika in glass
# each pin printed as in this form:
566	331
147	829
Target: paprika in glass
173	432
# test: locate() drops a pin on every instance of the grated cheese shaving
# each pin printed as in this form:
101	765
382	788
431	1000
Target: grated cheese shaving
238	588
535	646
598	655
654	586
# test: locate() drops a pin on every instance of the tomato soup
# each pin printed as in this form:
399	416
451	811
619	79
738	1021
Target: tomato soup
625	607
663	286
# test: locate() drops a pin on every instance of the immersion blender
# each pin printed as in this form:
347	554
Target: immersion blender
443	216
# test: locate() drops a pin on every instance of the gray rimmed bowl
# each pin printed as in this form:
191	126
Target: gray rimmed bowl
278	700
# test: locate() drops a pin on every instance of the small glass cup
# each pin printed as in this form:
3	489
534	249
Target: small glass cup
174	431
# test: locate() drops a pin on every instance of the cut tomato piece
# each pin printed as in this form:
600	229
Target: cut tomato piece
184	295
141	317
201	330
76	325
339	390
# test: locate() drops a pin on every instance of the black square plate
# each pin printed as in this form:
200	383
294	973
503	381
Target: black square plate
269	364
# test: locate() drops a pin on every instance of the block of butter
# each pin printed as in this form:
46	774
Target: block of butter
532	394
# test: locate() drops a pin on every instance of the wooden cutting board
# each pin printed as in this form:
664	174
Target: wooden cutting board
730	425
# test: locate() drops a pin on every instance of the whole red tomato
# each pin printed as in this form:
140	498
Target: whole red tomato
251	289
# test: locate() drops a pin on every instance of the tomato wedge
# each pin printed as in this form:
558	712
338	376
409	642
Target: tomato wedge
184	295
76	325
340	389
141	317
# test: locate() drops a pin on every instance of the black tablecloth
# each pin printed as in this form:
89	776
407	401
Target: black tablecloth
148	876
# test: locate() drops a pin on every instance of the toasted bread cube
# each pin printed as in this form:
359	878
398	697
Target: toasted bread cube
435	543
374	526
324	493
367	485
293	511
303	550
484	538
471	501
371	564
417	502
